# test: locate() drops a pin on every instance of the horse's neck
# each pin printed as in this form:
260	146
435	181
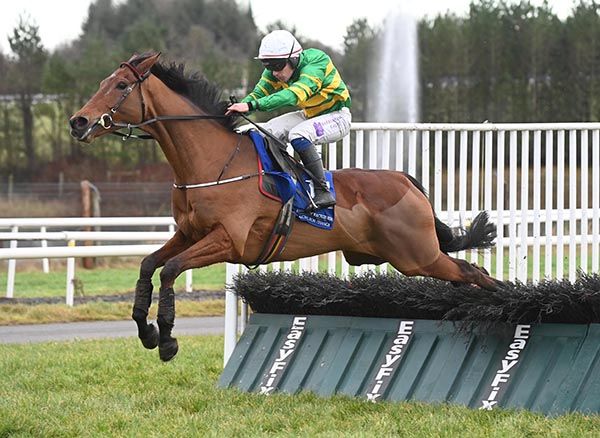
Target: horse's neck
196	150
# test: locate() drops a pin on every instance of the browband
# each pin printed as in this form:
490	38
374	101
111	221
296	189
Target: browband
134	70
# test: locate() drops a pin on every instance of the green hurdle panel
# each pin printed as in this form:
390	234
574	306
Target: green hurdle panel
549	368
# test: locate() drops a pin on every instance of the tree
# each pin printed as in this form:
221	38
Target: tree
6	134
484	47
142	35
359	45
443	66
583	61
30	56
102	20
58	80
3	73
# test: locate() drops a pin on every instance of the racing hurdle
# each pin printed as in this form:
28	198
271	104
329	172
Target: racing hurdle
387	337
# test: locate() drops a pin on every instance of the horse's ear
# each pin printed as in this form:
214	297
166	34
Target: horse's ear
147	62
133	57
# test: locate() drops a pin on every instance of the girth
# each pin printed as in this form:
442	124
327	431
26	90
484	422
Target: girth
279	235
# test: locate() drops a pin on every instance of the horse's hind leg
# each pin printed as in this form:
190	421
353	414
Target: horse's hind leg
215	247
148	333
457	270
357	258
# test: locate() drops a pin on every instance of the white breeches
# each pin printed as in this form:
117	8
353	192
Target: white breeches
321	129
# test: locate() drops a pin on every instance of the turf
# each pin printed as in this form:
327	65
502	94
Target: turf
103	280
116	388
97	311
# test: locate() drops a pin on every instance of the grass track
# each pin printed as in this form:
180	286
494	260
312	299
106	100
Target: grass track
32	283
103	280
97	311
116	388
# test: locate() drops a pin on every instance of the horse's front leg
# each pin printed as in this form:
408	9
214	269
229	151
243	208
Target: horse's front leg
148	333
215	247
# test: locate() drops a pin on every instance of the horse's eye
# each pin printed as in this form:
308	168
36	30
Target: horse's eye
122	85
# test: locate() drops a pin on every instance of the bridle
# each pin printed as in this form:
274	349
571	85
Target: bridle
107	122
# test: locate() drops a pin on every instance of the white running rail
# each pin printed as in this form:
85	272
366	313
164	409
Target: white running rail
543	178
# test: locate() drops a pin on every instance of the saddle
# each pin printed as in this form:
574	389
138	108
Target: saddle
284	178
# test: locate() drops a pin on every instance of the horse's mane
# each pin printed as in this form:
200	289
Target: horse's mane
199	90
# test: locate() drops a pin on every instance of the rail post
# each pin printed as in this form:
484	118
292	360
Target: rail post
231	314
12	267
45	261
70	277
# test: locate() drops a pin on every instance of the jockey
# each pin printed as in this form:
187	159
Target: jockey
306	79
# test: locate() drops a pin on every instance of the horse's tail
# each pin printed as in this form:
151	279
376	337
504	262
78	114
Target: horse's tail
480	234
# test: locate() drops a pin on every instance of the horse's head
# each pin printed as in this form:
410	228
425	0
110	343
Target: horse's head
112	102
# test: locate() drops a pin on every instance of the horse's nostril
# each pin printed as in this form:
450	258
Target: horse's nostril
78	122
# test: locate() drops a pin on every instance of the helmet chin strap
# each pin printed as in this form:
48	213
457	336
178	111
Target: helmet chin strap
293	61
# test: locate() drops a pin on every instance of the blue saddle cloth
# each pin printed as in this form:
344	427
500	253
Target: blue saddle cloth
287	187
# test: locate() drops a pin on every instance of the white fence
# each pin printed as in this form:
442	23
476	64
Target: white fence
542	179
71	251
540	171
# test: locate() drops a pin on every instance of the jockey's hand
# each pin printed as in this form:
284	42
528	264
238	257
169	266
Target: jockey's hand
237	108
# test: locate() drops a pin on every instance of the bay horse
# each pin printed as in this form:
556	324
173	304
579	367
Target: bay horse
380	216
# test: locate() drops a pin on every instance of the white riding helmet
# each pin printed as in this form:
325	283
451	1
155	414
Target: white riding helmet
279	44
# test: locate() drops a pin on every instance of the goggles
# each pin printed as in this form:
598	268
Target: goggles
274	64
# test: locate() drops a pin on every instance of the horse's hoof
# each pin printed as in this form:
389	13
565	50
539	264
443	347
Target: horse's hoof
168	350
481	268
150	341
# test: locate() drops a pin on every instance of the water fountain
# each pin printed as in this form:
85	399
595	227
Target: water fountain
396	70
395	84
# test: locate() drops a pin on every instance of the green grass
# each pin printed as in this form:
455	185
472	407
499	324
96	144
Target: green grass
32	282
116	388
97	311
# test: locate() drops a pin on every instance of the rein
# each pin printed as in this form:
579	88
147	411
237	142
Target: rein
283	225
131	126
107	122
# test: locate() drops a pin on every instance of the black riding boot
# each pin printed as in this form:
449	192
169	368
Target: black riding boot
312	161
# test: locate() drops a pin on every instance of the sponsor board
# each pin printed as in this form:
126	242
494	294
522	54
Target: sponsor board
391	361
284	356
508	365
